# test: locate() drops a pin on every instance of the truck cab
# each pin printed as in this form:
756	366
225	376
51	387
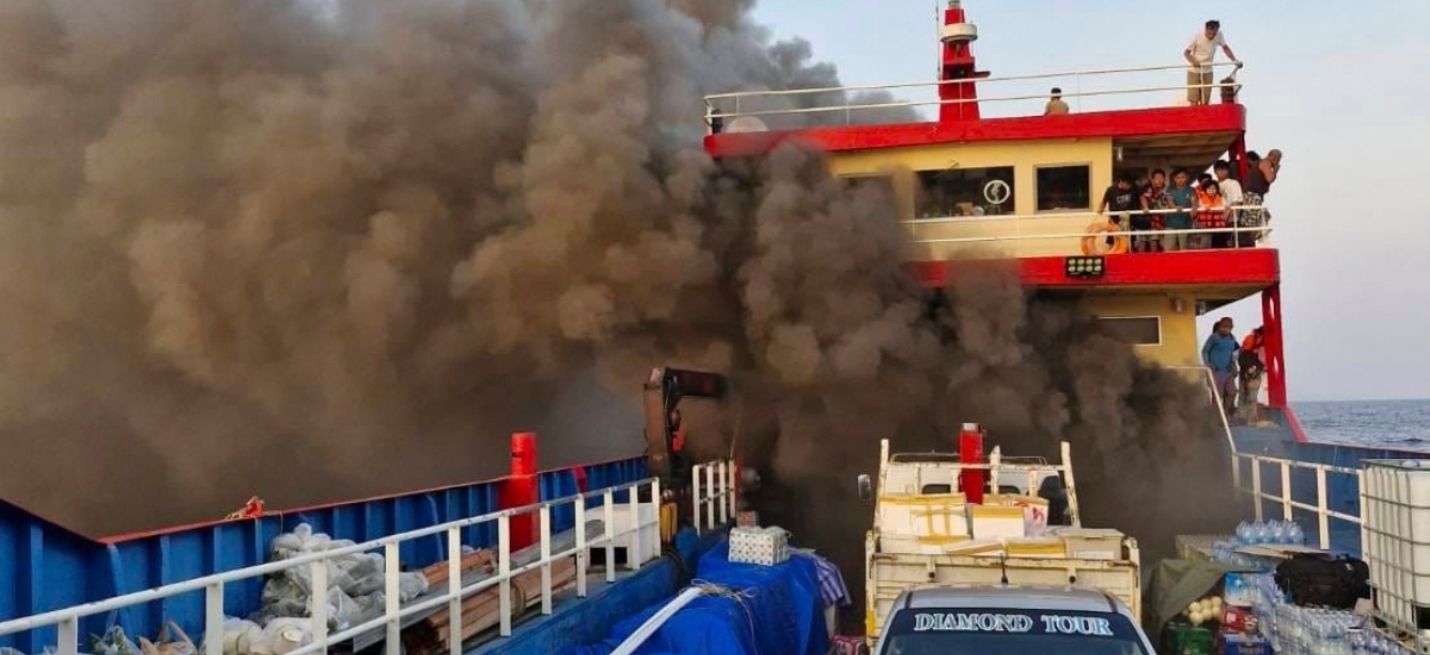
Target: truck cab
1011	620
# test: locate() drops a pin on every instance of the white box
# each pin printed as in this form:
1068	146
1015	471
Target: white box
767	546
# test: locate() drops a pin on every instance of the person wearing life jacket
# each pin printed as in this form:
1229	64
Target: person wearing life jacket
1219	355
1211	215
1253	368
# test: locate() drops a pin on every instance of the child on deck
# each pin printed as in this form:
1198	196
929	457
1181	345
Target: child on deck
1211	214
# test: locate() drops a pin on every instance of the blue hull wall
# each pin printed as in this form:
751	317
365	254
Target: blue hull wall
44	566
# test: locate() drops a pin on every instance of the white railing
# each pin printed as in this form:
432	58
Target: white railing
712	494
1285	498
1021	232
67	620
727	106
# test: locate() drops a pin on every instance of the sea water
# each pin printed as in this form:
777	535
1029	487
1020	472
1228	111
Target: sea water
1395	424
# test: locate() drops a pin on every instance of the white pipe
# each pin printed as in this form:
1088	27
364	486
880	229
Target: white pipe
657	620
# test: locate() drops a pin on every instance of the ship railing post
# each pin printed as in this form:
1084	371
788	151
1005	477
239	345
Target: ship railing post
504	573
1322	507
1360	493
68	638
1236	471
213	619
695	496
1256	485
731	499
655	504
633	552
454	590
581	554
724	493
545	559
1285	490
710	489
608	507
392	570
318	602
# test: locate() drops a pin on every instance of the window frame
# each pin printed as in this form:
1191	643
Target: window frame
1092	200
1012	204
1161	334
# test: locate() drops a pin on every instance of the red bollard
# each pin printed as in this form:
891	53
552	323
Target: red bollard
970	451
520	488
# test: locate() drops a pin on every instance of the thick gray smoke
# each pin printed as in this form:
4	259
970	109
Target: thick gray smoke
257	247
313	249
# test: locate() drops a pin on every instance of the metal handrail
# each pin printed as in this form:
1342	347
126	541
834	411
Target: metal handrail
1321	509
1263	230
935	83
1055	214
712	494
714	113
67	620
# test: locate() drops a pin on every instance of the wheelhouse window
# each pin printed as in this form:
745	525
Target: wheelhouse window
965	192
1064	188
872	183
1135	330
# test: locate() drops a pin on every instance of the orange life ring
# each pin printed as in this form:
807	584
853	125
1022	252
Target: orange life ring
1091	242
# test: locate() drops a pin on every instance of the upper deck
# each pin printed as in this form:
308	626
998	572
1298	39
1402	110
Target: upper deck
993	177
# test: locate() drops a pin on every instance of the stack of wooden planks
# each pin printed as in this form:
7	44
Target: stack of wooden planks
481	611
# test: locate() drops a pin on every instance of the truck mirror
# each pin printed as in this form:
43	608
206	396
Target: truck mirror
866	487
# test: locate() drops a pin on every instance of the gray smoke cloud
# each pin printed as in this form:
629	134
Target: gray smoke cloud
314	249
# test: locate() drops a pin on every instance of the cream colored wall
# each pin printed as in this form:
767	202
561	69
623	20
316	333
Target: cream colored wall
901	164
1179	329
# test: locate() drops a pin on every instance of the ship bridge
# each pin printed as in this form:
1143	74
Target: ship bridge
977	168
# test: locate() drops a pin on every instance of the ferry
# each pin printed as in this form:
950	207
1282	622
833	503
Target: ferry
565	555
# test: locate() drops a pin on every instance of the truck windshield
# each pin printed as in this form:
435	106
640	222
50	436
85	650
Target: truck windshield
963	631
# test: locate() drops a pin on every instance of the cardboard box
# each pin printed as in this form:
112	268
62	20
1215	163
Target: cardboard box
1237	619
1035	510
1236	643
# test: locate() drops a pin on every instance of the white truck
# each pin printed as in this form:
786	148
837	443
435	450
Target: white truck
928	532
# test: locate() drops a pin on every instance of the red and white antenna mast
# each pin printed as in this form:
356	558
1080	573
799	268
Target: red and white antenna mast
960	99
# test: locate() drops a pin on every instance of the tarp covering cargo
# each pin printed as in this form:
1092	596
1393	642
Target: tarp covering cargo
764	610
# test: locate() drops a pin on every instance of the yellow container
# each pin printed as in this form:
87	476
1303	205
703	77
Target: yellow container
1049	547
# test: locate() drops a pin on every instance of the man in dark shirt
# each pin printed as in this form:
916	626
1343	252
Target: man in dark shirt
1120	198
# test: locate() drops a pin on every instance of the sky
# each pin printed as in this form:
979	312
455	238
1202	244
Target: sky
1343	91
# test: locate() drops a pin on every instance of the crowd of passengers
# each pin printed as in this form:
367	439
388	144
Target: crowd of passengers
1160	213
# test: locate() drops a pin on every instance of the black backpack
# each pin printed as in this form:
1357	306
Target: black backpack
1324	580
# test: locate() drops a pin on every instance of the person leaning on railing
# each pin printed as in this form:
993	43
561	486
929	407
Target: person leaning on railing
1201	54
1259	178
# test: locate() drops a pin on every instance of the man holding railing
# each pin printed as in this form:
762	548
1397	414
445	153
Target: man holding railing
1201	53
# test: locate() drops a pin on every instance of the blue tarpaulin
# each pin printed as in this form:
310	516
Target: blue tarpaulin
776	610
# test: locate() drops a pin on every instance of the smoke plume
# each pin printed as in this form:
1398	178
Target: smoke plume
312	249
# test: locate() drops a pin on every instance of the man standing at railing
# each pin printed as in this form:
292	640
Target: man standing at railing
1121	198
1201	53
1219	354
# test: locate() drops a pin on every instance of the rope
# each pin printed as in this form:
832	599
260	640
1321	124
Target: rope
739	596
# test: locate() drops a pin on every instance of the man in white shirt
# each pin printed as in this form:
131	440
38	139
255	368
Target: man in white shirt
1230	188
1200	53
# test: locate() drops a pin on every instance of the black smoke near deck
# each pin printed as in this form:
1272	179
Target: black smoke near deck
313	249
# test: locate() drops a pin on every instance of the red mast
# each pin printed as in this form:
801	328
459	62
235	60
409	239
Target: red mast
957	63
